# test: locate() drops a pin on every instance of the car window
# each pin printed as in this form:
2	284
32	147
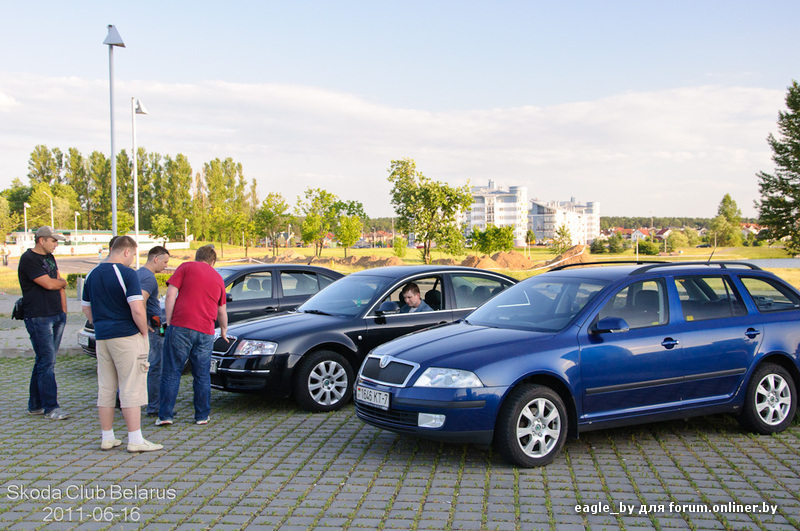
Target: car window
251	286
299	283
539	304
325	281
641	304
430	291
708	297
347	296
770	295
472	290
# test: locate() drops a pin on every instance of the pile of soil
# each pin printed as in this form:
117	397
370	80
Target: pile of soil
471	261
512	260
484	262
575	255
445	262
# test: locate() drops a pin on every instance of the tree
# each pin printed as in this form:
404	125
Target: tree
161	226
7	220
424	207
779	207
272	218
616	243
530	237
676	240
45	165
320	209
598	246
493	239
399	246
727	225
348	231
562	240
451	241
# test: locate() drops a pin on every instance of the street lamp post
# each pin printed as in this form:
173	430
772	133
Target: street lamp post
76	226
136	108
185	229
52	223
113	39
25	207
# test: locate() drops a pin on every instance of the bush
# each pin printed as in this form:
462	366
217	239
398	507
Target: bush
72	279
399	247
648	248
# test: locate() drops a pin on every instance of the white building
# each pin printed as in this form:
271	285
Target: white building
499	207
582	220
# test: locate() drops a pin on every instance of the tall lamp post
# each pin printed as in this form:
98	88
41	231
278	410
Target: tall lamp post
185	229
76	226
136	108
113	39
25	207
52	223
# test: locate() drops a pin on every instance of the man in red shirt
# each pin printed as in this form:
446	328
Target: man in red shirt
195	299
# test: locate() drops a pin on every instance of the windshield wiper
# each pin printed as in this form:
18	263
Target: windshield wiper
316	312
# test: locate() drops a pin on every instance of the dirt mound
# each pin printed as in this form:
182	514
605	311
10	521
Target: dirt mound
445	261
512	260
575	255
288	257
471	261
486	262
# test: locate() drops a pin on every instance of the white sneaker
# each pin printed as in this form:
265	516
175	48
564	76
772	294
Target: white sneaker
145	446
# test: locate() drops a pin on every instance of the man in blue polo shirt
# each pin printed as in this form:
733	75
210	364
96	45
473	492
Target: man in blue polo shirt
112	299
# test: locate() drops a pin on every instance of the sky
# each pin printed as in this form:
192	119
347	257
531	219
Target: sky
649	108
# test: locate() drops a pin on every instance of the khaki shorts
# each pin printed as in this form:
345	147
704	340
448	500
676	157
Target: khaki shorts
122	365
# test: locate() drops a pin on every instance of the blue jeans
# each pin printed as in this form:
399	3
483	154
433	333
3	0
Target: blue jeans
154	373
181	344
45	335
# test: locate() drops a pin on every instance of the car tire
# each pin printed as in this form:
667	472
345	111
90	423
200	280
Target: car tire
771	400
323	381
532	426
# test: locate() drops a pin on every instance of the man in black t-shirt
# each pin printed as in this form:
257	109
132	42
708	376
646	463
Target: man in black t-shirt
45	307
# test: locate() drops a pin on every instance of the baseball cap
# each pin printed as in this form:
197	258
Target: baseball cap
48	232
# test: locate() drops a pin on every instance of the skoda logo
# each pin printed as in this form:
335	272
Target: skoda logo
385	361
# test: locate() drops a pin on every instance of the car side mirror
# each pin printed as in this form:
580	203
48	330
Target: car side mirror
388	308
610	325
228	297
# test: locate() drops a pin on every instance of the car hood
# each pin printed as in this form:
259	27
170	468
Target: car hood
455	345
282	326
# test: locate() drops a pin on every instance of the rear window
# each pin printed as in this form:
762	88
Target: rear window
770	295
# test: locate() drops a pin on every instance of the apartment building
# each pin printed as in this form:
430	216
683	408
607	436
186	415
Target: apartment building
582	219
500	207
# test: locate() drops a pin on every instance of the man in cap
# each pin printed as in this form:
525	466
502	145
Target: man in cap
45	308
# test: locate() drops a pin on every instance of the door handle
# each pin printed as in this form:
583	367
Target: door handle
669	343
270	309
752	333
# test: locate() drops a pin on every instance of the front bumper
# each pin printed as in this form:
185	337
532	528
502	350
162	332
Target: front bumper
468	415
266	374
86	341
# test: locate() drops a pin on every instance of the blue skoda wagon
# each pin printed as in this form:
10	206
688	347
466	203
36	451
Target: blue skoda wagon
585	348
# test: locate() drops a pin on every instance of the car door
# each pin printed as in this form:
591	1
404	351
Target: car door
252	295
718	338
635	371
383	328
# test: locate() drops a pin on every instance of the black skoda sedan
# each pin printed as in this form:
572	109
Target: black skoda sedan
255	290
311	354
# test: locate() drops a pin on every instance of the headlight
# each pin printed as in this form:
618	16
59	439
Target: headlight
249	347
439	377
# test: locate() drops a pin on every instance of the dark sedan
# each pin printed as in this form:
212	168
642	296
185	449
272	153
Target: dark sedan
255	291
311	354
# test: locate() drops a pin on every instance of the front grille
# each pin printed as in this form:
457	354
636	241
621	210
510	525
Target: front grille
391	416
394	373
221	347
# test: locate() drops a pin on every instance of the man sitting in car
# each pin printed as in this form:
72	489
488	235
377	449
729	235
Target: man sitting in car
414	302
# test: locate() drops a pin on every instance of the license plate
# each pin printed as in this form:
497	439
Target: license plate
83	341
214	364
378	399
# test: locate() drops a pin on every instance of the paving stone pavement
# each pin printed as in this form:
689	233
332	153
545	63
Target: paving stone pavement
263	464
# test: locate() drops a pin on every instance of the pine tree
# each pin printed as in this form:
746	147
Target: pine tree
779	208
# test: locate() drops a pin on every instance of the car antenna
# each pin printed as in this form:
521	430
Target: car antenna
712	253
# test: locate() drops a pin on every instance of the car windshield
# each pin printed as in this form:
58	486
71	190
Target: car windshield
226	273
347	296
541	304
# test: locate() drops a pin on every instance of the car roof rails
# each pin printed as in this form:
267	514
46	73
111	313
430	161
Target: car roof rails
607	262
722	264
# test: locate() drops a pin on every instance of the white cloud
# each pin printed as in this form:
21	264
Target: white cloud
671	152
